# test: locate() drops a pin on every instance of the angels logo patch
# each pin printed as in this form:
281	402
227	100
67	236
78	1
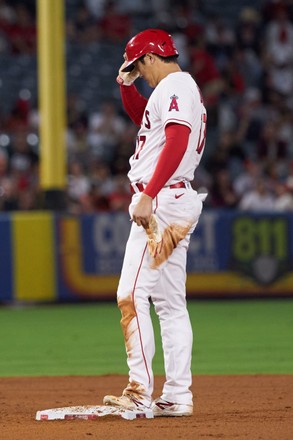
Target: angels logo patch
174	103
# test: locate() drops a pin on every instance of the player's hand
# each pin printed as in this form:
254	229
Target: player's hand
127	78
143	210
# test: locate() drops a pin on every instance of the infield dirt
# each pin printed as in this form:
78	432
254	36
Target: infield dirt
256	407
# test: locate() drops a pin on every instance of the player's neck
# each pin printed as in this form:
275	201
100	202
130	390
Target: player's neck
166	69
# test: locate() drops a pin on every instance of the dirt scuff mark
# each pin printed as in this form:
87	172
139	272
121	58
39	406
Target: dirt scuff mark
128	312
171	237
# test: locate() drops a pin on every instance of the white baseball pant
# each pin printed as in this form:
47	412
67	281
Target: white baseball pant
164	284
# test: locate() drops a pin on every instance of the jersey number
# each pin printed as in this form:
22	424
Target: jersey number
202	134
140	141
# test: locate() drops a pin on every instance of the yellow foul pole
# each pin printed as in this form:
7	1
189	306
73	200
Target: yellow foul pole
52	92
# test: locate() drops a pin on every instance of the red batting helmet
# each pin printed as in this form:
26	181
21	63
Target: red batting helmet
149	41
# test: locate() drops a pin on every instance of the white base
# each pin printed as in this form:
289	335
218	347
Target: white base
92	413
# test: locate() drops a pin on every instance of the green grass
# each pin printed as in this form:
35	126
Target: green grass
231	337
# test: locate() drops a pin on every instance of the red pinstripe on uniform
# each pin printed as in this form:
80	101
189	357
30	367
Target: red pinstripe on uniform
132	296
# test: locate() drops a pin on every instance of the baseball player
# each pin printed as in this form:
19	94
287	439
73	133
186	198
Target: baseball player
165	210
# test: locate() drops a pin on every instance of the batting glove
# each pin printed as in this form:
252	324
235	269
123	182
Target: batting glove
155	239
126	78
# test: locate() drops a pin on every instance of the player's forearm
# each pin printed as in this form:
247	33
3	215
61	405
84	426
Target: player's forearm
176	144
134	103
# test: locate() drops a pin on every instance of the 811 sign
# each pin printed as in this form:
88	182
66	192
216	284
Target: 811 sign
260	247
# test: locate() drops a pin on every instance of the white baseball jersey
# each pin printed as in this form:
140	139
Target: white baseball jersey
176	99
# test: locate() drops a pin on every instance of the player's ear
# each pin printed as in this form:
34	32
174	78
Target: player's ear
150	57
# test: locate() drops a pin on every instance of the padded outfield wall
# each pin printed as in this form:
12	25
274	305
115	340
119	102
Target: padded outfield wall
47	257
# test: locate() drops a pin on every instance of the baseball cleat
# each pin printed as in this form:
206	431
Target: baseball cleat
125	401
163	408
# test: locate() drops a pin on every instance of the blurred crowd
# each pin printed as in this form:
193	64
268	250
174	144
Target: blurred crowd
243	65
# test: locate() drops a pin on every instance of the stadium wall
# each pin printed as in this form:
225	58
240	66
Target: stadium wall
48	257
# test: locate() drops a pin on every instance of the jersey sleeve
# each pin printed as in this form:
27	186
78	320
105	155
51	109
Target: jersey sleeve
133	102
174	149
176	103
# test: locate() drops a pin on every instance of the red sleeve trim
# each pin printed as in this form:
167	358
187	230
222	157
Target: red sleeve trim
133	102
177	136
178	121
